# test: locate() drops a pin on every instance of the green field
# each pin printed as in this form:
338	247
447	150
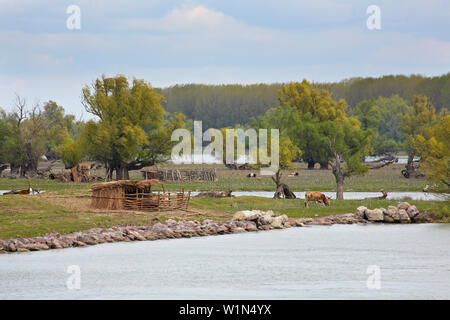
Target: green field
387	178
64	207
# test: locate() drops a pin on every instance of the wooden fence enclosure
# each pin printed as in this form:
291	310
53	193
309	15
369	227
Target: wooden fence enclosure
157	201
136	195
180	175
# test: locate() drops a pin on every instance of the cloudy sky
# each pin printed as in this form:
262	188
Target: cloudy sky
203	41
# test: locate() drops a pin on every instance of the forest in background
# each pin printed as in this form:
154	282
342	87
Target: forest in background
221	106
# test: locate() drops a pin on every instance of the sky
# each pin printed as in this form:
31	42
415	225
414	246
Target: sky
168	42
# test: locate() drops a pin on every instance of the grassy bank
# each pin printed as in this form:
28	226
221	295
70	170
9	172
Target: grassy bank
295	207
26	216
387	178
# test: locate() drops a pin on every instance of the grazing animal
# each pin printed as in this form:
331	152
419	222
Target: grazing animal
316	197
251	175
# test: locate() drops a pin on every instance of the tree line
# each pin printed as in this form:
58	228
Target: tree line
225	105
220	106
133	126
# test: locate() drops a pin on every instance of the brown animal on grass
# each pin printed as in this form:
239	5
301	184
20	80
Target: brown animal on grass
316	197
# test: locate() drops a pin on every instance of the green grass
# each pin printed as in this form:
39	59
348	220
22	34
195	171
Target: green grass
295	207
387	178
27	216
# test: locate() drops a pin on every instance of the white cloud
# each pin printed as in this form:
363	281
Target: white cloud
186	18
200	20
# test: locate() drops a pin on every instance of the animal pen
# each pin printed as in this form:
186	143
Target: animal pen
136	195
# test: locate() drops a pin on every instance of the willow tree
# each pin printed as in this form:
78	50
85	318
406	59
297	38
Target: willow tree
61	128
433	147
71	152
131	131
313	107
348	144
319	126
422	117
307	99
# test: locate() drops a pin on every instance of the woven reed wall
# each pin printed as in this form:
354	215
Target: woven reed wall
181	175
140	201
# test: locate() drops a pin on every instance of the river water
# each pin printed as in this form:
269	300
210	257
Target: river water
401	159
210	159
318	262
3	191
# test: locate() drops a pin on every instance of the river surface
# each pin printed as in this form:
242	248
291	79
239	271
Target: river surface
3	191
401	159
210	159
352	195
318	262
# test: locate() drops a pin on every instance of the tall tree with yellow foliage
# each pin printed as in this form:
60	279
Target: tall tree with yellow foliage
414	125
319	126
131	131
433	147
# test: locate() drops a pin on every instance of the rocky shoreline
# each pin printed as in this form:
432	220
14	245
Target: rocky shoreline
403	213
243	221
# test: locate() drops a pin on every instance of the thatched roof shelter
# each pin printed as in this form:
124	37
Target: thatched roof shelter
135	195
